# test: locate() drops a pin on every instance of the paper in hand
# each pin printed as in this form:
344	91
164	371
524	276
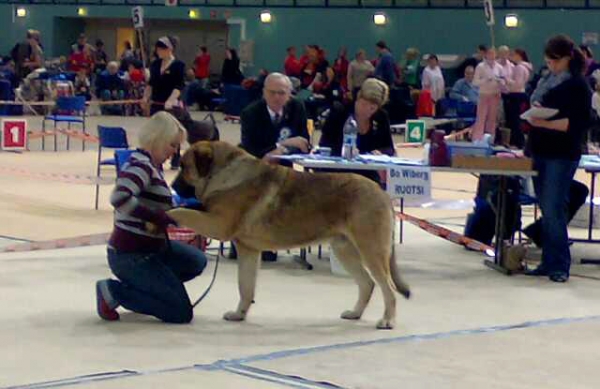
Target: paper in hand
538	113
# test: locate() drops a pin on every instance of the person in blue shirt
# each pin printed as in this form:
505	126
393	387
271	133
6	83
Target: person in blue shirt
464	90
386	65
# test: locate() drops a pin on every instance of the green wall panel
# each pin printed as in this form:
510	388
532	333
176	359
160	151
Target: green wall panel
443	31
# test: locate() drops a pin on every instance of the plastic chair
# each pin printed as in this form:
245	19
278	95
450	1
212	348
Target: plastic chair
121	158
75	113
113	138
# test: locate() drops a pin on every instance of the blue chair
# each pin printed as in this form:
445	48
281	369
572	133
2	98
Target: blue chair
74	112
448	108
122	157
236	99
113	138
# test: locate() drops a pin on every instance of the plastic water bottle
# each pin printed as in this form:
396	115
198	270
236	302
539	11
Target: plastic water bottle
349	149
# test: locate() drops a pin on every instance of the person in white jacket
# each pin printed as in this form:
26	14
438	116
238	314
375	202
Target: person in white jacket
432	79
489	78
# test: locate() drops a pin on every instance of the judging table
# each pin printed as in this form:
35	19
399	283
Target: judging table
303	163
591	165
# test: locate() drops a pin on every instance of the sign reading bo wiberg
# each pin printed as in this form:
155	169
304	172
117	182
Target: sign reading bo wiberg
409	182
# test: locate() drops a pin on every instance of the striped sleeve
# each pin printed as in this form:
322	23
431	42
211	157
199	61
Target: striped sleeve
131	183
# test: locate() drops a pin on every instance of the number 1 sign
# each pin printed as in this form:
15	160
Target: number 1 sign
14	134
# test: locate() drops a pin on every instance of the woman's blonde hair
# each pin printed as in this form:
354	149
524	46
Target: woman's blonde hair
374	91
160	130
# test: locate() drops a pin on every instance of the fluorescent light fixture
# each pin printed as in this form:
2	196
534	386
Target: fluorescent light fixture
194	14
511	21
82	11
266	17
379	19
21	12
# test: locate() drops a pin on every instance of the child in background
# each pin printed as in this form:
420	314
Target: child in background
82	85
137	83
489	79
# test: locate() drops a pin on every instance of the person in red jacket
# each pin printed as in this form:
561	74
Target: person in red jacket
292	65
202	66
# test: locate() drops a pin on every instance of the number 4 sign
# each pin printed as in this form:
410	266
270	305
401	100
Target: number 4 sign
14	134
415	131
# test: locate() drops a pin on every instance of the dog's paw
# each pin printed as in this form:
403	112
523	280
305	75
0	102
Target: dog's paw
350	315
385	324
234	316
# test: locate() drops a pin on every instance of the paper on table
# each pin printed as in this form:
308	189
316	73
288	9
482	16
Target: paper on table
538	113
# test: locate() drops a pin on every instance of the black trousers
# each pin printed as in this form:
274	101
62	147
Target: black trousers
514	105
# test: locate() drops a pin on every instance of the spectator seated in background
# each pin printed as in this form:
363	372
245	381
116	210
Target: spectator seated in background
82	85
464	90
274	125
136	77
110	86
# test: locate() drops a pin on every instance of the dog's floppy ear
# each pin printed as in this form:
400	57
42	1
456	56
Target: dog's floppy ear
203	158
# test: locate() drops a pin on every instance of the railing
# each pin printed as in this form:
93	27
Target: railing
379	4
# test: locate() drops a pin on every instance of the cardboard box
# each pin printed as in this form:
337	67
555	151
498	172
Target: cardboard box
492	163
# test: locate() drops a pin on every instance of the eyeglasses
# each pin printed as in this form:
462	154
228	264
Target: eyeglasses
277	92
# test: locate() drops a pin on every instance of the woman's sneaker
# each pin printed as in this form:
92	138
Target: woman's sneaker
102	306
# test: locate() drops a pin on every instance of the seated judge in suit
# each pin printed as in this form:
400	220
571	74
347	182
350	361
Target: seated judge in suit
374	134
276	124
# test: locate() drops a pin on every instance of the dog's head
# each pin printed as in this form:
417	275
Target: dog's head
199	163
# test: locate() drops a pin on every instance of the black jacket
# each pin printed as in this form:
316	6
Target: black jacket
573	99
378	138
260	135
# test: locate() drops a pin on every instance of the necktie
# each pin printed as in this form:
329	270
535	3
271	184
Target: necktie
276	119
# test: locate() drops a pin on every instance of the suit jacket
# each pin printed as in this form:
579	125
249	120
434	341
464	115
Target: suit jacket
260	135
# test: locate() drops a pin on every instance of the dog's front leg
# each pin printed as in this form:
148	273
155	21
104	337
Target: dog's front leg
248	263
203	223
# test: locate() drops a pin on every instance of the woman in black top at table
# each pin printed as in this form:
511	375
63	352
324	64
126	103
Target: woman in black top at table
555	146
167	76
374	134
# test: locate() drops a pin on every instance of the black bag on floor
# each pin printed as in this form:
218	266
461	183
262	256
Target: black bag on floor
481	224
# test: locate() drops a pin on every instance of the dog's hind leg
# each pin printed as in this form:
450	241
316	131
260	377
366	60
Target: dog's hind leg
248	264
375	255
350	258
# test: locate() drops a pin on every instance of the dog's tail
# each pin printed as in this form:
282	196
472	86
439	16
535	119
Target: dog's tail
401	286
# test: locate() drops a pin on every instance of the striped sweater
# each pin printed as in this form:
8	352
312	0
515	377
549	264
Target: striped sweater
141	195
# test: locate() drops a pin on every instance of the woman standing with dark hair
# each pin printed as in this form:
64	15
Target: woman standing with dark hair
231	73
555	146
166	82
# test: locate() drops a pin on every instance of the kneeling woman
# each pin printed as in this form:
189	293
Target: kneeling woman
151	272
374	134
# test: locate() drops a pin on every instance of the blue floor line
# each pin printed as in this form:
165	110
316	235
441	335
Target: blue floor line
294	379
222	365
264	378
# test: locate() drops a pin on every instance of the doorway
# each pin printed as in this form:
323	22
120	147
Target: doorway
124	34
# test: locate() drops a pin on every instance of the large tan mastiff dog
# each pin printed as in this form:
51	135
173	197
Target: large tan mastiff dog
267	207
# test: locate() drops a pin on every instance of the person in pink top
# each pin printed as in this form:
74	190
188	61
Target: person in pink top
516	101
489	79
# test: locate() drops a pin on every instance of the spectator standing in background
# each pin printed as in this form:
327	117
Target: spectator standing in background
231	73
433	79
292	65
340	67
100	57
386	65
488	77
202	67
516	101
358	71
410	67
